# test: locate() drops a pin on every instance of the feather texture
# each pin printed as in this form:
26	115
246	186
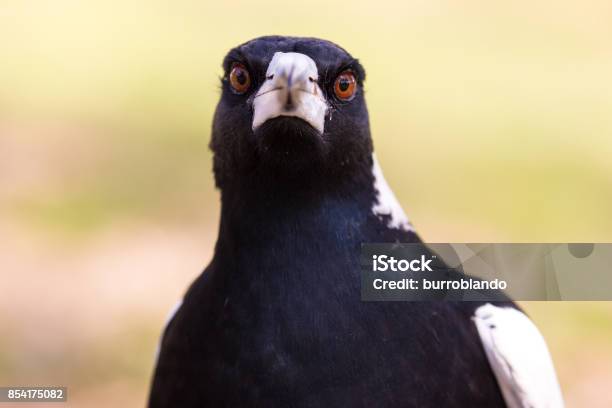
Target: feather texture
519	358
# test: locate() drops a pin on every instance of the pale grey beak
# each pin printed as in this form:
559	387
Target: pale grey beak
290	89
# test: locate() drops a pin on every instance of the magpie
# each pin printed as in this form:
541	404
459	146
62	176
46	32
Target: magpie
276	318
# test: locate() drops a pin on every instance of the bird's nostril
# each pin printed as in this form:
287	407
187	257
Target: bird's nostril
270	76
311	79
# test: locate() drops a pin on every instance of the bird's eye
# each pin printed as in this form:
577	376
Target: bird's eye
239	79
345	86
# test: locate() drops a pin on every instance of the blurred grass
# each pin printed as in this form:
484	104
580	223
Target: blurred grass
130	180
492	122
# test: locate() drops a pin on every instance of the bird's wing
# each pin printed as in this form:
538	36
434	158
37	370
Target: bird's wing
519	358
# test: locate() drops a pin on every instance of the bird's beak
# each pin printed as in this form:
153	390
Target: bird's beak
290	89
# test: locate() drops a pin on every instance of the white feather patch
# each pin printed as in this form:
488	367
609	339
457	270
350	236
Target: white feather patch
386	203
519	358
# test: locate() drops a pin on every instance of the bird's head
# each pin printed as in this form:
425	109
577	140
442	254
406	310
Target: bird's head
291	110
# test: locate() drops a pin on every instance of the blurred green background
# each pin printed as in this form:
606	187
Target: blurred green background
492	121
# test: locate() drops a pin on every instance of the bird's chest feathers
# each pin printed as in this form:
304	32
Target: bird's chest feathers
299	247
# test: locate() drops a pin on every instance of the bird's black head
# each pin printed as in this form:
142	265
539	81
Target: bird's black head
292	112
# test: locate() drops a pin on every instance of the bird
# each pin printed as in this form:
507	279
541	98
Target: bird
276	318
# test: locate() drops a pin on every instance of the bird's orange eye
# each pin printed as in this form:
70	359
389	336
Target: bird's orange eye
239	79
345	86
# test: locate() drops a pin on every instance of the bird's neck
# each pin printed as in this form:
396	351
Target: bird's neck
252	212
324	216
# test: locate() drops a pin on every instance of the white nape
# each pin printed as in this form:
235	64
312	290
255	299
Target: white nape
386	202
169	318
290	89
519	358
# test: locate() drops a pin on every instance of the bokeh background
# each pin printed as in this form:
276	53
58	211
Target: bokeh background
492	121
